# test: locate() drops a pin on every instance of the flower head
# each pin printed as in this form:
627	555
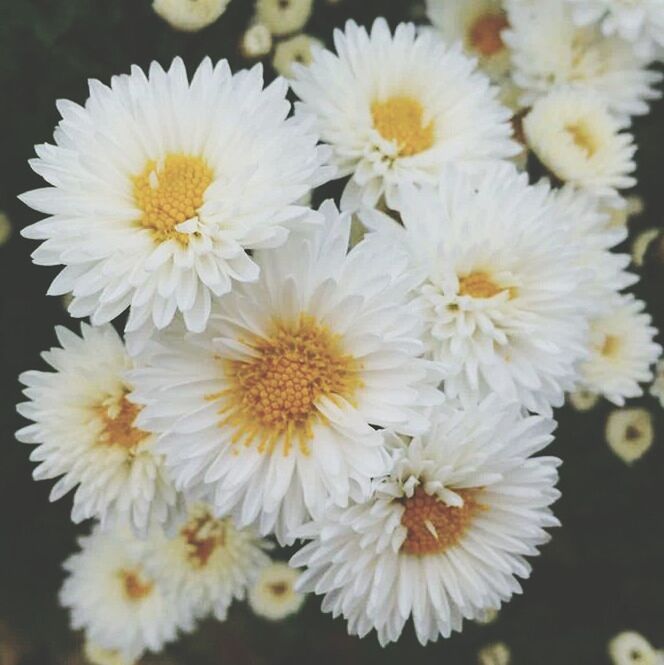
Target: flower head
273	596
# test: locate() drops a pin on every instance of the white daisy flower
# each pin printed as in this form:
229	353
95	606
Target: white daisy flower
503	289
478	25
550	51
640	22
209	562
622	350
273	596
190	15
256	41
579	142
85	431
630	433
160	186
444	536
296	49
271	410
396	108
111	596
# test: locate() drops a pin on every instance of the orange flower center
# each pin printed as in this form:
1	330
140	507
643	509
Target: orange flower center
400	119
118	424
203	534
433	526
135	586
485	33
480	285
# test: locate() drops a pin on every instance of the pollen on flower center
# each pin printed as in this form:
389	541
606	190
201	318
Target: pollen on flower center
582	138
135	587
170	192
272	397
203	534
610	346
485	33
433	526
400	119
479	285
117	423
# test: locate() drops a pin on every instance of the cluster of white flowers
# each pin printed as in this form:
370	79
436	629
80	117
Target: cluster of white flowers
385	399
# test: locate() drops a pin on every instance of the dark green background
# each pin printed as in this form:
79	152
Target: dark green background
602	573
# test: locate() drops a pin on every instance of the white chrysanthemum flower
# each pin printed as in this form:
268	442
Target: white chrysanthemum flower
112	597
578	140
478	25
296	49
273	596
444	536
640	22
497	653
550	51
282	17
622	350
397	108
271	410
630	433
209	562
583	400
85	431
256	41
503	289
190	15
160	186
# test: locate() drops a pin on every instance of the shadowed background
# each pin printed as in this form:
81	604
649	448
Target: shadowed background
602	572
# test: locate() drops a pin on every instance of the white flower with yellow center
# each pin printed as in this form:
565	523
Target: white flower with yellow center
273	596
622	350
444	536
478	25
580	142
397	108
549	51
209	562
640	22
190	15
271	411
503	289
119	605
161	185
85	431
630	433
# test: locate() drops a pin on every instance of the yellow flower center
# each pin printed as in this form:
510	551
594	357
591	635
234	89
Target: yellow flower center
278	588
203	534
582	137
171	192
610	346
135	587
485	36
117	418
434	527
272	397
480	285
400	119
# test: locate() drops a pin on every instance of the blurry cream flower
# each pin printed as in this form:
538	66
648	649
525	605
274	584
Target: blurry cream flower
640	22
622	350
657	387
161	186
642	243
576	138
445	534
273	596
115	601
583	400
631	648
282	17
85	431
208	562
5	228
271	410
487	617
549	51
190	15
397	108
629	433
478	24
297	49
256	41
497	653
622	210
96	655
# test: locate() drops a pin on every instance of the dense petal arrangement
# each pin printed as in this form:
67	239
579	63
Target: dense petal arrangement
398	108
270	411
159	186
118	604
85	431
503	290
445	535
